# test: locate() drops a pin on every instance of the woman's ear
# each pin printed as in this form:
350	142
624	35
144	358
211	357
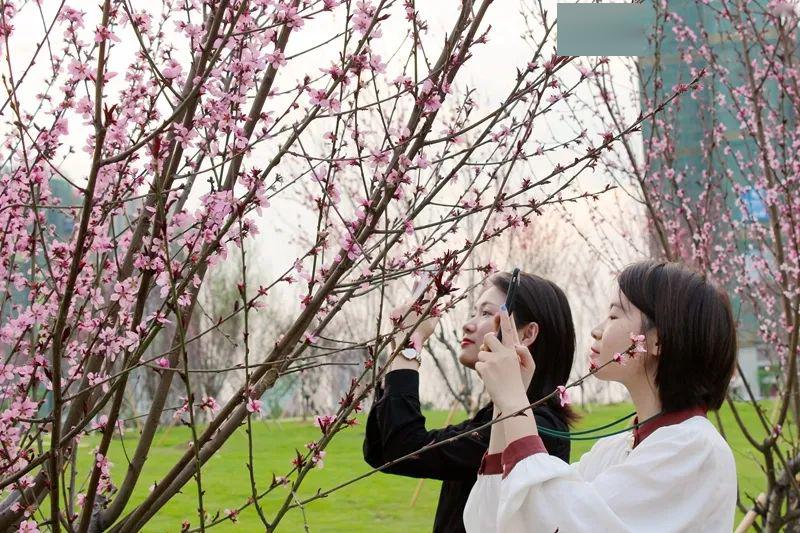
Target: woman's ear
528	333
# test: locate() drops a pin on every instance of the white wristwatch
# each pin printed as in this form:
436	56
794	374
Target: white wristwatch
412	355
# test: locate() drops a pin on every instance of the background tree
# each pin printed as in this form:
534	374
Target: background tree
187	129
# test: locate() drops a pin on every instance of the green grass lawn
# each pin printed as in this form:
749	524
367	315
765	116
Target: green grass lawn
380	502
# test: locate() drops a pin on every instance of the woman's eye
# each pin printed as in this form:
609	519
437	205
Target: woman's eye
611	317
486	313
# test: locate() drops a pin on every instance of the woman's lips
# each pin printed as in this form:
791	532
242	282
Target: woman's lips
466	342
594	352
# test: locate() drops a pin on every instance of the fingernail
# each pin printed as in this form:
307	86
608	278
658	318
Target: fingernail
503	308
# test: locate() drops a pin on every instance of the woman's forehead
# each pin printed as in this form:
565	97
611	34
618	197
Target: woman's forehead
618	300
616	296
491	295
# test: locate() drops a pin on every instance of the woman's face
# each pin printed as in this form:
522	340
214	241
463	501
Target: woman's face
613	335
480	323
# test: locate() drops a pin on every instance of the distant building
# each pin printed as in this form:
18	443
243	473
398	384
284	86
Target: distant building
756	359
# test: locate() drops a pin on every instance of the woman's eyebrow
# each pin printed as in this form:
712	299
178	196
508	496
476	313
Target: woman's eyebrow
618	306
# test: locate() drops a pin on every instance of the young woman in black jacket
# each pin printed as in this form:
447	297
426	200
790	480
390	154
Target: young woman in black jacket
396	426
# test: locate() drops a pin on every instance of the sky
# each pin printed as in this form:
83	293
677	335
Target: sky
492	70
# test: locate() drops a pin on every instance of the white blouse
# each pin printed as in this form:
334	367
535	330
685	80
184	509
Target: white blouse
682	477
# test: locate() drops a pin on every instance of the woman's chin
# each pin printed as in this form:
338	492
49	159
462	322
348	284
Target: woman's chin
607	373
468	359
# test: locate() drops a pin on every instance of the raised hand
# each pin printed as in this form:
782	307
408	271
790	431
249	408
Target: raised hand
500	366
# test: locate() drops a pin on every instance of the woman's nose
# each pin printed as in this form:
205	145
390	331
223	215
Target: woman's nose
596	333
469	327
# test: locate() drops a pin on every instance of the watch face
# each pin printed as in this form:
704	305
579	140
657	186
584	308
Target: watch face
409	353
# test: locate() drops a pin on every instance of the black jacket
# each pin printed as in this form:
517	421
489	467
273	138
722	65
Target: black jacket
396	427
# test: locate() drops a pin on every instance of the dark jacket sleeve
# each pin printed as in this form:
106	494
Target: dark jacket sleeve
396	427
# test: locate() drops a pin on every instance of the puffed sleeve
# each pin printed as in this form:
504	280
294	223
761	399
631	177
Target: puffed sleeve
679	479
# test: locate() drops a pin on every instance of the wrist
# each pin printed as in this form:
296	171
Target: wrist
497	438
401	362
513	402
517	427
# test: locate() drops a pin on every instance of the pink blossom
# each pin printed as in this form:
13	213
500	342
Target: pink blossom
141	21
363	16
681	88
563	395
80	71
379	157
232	514
470	203
24	408
6	372
430	102
288	15
316	458
124	293
210	404
71	15
102	33
184	300
184	408
173	70
376	64
324	422
639	343
101	422
320	98
254	406
28	526
104	465
276	59
502	134
320	174
351	247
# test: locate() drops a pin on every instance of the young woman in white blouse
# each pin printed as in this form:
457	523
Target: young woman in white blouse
674	472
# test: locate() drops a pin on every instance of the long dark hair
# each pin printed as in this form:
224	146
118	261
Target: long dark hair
542	301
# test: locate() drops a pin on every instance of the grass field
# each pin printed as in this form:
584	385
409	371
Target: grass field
378	503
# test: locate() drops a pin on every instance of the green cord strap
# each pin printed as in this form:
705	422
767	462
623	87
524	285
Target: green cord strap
614	423
571	435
